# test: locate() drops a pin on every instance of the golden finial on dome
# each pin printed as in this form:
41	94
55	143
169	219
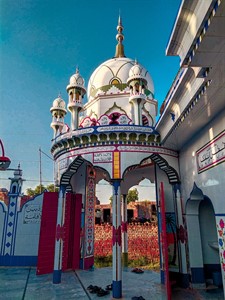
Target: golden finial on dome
119	37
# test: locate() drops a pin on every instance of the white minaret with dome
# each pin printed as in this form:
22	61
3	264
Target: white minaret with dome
58	111
76	91
138	84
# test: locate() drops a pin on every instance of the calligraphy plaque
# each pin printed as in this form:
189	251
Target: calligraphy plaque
103	157
32	214
125	128
212	154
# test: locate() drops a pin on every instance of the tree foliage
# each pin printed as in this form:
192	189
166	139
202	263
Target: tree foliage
132	196
40	189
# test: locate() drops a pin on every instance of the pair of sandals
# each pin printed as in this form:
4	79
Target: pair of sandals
94	289
137	270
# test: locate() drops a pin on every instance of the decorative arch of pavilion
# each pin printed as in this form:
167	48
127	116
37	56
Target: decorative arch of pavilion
80	178
170	171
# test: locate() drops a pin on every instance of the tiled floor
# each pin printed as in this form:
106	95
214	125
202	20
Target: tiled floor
23	284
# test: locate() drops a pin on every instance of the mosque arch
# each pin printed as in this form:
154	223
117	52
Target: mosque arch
130	180
73	168
202	235
156	158
171	173
164	166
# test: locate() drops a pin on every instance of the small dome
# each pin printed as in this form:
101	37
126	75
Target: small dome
76	80
139	72
58	104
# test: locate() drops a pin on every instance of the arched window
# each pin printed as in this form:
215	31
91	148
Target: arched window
14	189
71	96
114	116
137	87
77	95
115	81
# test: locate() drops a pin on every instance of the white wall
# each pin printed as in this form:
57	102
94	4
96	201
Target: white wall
211	181
28	228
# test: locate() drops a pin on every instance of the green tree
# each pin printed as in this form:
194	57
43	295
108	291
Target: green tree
40	189
110	199
52	188
132	196
30	192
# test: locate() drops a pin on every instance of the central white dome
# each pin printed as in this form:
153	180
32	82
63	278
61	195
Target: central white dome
111	78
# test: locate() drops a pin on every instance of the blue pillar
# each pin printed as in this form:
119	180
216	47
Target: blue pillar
116	241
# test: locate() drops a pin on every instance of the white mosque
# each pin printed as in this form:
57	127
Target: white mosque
111	137
115	137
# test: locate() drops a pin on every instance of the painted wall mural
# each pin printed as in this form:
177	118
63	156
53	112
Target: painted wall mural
171	233
21	223
220	225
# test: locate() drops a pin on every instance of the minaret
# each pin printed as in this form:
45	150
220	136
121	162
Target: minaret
16	183
119	37
137	84
58	111
76	91
9	237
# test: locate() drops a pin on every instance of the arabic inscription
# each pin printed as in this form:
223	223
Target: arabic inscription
212	153
32	214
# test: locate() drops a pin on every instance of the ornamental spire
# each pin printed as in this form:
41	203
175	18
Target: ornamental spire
119	37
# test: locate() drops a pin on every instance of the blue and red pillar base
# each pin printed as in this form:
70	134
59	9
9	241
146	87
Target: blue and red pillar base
117	289
57	276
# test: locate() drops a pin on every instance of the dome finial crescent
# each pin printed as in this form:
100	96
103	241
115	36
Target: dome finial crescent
119	37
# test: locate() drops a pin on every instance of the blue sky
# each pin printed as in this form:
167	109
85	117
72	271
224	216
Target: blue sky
42	42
